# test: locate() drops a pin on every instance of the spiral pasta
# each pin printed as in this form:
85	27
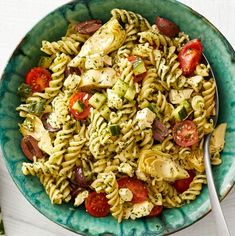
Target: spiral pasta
209	94
60	112
151	86
120	118
65	46
61	143
51	189
58	67
73	152
194	188
76	37
154	38
167	66
39	168
110	186
122	53
99	135
131	18
170	197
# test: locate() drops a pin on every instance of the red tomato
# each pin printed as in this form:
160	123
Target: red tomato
190	55
156	211
38	79
84	99
97	204
132	58
140	77
185	133
137	187
182	185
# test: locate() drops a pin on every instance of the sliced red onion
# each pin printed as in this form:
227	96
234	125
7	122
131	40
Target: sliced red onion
160	131
71	70
89	26
80	179
75	190
46	125
167	27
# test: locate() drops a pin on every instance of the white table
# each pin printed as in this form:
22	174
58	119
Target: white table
17	17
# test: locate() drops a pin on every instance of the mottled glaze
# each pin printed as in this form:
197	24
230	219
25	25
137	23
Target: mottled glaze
216	48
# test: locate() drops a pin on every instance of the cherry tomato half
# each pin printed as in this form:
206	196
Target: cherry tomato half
137	78
189	56
83	98
132	58
182	185
156	211
38	79
97	204
185	133
137	187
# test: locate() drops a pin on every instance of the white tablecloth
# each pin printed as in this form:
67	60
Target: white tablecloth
17	17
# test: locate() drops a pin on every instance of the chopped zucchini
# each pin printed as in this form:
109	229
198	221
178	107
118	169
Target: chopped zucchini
114	129
187	105
105	111
180	113
153	108
120	88
78	106
138	66
45	62
130	94
97	100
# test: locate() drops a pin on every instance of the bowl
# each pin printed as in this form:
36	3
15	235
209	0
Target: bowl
222	59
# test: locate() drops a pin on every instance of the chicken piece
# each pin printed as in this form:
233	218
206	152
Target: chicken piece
95	79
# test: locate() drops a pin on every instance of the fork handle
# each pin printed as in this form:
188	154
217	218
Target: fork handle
221	225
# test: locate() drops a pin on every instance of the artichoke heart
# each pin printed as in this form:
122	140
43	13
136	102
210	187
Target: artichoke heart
217	138
106	39
158	164
38	132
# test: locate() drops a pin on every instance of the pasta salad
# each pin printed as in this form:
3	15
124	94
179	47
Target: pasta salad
115	115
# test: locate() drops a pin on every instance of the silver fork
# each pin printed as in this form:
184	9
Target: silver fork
222	229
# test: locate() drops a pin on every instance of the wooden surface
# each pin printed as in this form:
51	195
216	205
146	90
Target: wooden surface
17	17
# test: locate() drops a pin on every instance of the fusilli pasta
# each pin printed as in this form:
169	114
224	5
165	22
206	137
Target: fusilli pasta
120	118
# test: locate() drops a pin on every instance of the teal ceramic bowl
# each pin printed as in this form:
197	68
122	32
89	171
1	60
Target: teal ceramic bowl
216	48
